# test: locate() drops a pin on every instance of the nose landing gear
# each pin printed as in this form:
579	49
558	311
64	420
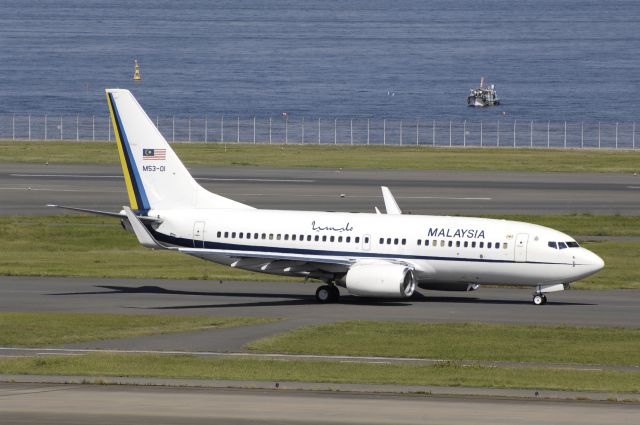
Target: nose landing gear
539	299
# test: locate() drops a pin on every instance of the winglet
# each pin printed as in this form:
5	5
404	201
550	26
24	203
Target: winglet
143	235
390	203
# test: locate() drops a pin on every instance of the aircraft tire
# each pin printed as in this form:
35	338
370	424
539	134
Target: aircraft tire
539	299
324	294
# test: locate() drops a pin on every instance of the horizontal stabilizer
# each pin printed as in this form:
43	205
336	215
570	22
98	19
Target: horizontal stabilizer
106	213
144	237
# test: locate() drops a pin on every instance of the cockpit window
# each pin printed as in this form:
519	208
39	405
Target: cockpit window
562	245
553	245
573	245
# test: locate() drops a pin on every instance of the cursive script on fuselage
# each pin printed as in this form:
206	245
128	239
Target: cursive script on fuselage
345	228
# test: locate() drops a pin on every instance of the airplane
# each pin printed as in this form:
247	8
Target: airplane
367	254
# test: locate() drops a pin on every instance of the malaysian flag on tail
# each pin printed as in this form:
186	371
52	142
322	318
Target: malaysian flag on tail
154	154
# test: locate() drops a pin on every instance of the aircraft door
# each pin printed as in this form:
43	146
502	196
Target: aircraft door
521	247
198	234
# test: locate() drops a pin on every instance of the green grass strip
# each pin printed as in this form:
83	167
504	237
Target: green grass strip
448	374
329	156
463	341
56	329
91	246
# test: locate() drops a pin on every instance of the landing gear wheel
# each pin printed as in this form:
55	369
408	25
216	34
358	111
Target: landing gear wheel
539	299
324	294
327	294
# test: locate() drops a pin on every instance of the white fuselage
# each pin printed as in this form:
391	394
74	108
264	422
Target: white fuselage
442	249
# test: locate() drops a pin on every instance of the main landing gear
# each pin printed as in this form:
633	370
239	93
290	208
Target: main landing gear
539	297
327	294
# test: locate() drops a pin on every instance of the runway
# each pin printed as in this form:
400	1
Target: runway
296	304
72	404
26	188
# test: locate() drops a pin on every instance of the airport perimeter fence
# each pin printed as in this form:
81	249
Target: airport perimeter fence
508	133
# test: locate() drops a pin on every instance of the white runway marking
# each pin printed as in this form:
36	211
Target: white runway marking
36	189
633	187
255	180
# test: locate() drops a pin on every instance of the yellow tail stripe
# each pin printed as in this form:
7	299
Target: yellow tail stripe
127	174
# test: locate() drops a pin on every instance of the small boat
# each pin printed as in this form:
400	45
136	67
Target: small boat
483	96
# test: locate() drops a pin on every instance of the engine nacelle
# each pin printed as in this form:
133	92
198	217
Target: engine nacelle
380	280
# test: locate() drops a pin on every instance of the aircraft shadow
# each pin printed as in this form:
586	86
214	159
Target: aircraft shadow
288	299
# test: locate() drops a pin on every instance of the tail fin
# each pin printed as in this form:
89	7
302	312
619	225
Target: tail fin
154	175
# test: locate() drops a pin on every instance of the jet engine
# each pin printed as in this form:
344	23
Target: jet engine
383	280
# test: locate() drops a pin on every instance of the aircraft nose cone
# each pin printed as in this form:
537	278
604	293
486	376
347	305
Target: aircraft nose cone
593	261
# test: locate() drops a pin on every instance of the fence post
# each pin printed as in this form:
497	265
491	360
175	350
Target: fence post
335	131
450	133
480	133
77	127
582	135
173	129
318	130
616	135
206	129
368	134
45	127
222	128
60	127
157	125
13	126
531	134
351	130
286	129
189	130
434	133
498	134
514	133
565	135
464	134
598	134
548	134
254	129
633	136
417	132
384	132
238	129
93	128
29	127
269	130
303	130
400	132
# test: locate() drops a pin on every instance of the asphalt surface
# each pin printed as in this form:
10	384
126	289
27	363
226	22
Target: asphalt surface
295	302
72	404
26	188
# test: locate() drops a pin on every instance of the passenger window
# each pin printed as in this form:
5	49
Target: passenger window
255	236
293	237
497	245
317	238
348	239
240	235
324	238
270	236
442	244
395	241
301	238
286	237
248	235
553	245
426	242
466	244
450	244
219	234
279	236
388	241
473	244
562	245
403	241
504	245
358	239
339	238
457	244
366	240
381	241
332	238
308	238
481	244
419	242
233	235
226	234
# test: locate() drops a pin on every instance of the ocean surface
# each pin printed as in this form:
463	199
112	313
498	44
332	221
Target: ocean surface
575	60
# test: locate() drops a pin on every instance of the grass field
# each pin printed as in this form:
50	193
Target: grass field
56	329
329	156
462	341
448	374
98	247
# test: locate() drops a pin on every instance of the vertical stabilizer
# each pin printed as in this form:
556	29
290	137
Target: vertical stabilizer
155	177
